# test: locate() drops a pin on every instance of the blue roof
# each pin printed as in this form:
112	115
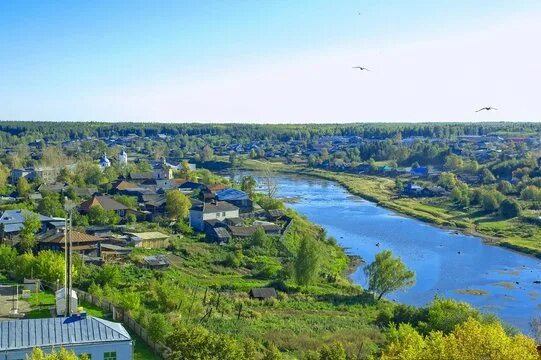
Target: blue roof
420	170
60	331
231	194
13	219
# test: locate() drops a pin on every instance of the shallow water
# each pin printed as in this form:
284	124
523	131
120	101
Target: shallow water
444	262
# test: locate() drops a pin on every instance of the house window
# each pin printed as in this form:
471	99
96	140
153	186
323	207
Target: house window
109	355
223	214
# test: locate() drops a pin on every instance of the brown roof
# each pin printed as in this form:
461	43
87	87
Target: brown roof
242	231
104	201
76	237
123	185
217	187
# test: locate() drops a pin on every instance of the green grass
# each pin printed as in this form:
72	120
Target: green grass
141	351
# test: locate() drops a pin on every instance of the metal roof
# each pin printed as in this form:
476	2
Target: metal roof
231	194
61	331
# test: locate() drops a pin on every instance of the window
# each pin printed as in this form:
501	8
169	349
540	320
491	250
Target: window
223	214
109	355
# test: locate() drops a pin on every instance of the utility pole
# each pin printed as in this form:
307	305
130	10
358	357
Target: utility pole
69	310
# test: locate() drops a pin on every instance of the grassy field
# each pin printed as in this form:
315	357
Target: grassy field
516	234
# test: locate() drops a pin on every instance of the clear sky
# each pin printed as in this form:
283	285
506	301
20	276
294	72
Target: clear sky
270	61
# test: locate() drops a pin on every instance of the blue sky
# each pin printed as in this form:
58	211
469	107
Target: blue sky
205	60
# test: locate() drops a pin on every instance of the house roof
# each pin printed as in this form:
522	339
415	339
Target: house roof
150	235
57	332
221	232
123	184
209	208
190	185
231	194
104	201
263	293
242	231
13	219
76	237
217	187
157	260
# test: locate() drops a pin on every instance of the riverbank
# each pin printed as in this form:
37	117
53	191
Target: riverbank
513	234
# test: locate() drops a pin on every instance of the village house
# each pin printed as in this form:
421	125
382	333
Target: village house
12	222
45	174
97	338
236	197
81	243
149	240
107	203
263	293
219	210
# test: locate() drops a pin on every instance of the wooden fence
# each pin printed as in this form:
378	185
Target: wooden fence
122	316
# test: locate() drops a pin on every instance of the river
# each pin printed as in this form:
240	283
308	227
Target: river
446	263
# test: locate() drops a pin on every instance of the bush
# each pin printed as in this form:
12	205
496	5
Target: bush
510	208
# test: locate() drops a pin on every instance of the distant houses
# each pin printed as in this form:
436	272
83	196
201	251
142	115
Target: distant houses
84	335
12	222
45	174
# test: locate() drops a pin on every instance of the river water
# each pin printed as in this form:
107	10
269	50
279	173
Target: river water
446	263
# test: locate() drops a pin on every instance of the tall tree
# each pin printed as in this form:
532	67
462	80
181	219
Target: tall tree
248	185
23	187
31	225
307	262
387	273
177	205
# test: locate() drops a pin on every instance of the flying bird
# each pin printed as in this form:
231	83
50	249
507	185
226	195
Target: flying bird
487	108
360	68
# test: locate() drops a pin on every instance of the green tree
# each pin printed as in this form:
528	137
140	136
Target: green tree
505	187
461	194
307	262
49	266
454	162
4	175
487	177
207	154
196	342
233	160
469	340
177	205
99	216
531	192
490	200
387	274
31	225
63	354
334	351
50	205
272	353
158	327
8	255
447	180
23	187
510	208
248	185
260	238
